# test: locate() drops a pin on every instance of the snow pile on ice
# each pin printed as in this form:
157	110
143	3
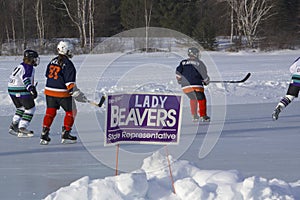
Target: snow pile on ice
153	182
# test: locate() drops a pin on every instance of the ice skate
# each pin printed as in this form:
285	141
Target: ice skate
24	133
205	119
275	113
45	139
67	138
195	118
13	129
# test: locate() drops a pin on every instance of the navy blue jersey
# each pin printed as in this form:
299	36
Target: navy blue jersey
191	73
61	77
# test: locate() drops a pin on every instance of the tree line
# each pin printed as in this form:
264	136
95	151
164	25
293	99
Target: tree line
247	23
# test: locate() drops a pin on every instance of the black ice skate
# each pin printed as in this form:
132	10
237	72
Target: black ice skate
276	112
205	119
24	133
67	138
13	129
45	139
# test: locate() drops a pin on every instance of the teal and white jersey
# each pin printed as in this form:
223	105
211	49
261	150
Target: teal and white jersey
295	70
20	80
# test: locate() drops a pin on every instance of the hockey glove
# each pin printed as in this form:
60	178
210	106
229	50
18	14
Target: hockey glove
206	81
79	96
33	91
178	79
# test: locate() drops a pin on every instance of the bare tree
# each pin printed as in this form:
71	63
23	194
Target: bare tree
250	13
231	25
91	12
78	17
13	34
40	21
23	24
148	11
81	12
9	23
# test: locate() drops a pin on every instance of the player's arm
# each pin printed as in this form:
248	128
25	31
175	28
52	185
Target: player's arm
27	77
74	91
179	70
203	72
295	67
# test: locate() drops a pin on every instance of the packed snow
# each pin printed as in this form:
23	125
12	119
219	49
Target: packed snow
152	180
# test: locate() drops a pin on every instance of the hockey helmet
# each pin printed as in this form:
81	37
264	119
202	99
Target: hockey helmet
31	57
65	48
193	52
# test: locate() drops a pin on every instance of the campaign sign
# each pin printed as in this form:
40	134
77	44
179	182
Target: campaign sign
143	118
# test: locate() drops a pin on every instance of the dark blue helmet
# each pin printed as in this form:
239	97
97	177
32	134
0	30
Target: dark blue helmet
32	57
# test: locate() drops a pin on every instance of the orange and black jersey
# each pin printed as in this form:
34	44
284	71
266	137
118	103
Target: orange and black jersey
61	77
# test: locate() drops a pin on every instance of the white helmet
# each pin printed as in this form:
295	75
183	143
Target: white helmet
65	48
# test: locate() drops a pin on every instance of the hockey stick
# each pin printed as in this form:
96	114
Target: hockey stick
101	102
234	81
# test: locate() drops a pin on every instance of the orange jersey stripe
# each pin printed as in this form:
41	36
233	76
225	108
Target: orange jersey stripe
60	94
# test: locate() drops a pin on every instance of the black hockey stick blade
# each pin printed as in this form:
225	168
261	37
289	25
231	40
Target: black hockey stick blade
102	100
234	81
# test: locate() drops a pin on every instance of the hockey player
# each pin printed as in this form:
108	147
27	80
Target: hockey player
60	90
192	75
22	91
293	89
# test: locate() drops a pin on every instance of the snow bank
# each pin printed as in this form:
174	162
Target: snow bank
153	182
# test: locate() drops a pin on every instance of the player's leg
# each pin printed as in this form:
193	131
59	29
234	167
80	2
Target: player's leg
292	92
202	106
69	106
29	109
14	126
193	105
52	106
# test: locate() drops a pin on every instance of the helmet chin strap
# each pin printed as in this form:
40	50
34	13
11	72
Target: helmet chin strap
36	61
193	57
70	55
